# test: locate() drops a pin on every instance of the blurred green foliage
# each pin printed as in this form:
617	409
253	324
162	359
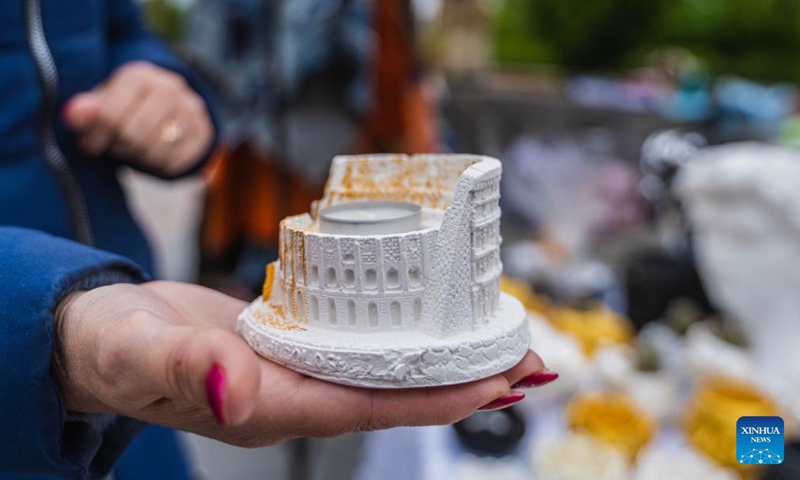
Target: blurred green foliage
165	18
758	39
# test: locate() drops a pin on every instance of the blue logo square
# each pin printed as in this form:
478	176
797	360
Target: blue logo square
759	440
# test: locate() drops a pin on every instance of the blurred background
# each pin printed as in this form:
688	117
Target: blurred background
650	210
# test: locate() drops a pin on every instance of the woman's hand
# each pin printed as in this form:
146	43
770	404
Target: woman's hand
167	353
145	115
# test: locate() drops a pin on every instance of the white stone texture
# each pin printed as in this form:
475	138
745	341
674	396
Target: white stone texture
420	290
393	359
372	282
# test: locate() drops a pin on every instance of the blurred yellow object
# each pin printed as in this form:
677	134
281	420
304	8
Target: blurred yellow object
711	415
593	328
613	418
525	294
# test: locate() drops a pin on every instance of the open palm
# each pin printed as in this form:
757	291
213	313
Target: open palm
149	351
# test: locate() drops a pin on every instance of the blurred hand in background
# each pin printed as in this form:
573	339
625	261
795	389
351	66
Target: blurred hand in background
144	115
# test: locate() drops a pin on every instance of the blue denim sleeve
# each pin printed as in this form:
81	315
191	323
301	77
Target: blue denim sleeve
130	40
37	435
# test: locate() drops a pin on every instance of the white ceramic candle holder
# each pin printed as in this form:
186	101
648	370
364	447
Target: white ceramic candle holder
412	306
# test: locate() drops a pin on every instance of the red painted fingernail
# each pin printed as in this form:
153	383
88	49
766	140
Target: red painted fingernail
215	392
503	402
536	379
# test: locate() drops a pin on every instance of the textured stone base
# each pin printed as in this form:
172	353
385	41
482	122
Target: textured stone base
402	359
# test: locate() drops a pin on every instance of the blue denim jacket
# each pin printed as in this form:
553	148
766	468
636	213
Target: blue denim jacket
39	264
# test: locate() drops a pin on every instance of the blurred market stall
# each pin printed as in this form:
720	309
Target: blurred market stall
652	248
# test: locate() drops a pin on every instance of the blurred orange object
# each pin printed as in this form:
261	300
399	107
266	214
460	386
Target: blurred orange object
402	117
247	197
613	418
250	193
593	328
525	294
712	413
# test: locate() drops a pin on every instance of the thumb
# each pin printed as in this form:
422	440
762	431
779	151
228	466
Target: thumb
208	367
81	111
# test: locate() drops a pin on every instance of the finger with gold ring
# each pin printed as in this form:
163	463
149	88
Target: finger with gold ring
171	132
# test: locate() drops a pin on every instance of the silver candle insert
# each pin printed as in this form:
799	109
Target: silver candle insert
370	218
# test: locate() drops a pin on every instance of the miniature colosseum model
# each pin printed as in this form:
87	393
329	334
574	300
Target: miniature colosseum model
414	308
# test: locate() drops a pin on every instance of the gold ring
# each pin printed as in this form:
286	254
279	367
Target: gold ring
171	132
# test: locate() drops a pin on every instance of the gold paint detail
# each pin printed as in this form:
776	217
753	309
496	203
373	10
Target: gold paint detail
275	318
418	179
298	250
294	266
268	282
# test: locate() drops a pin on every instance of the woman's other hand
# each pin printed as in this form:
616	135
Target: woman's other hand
144	115
167	353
